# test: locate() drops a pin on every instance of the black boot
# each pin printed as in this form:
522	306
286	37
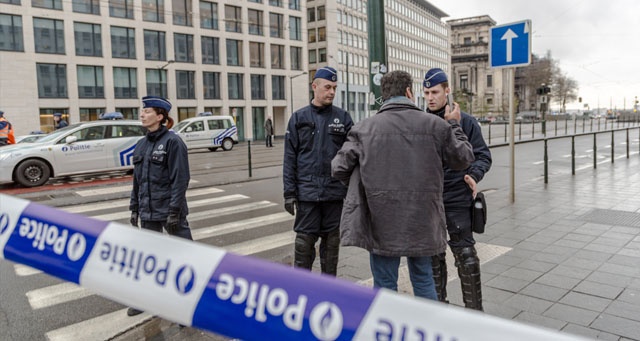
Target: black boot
439	267
329	252
305	250
468	266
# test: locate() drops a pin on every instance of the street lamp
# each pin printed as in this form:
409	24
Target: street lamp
291	87
162	88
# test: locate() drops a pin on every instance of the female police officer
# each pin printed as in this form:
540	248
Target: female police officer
160	175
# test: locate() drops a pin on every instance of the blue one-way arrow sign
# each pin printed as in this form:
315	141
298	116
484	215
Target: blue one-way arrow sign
510	44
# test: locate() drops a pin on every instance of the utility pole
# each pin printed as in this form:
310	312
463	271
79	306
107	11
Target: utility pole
377	51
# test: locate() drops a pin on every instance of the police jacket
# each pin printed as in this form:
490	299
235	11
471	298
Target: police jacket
314	136
160	176
456	192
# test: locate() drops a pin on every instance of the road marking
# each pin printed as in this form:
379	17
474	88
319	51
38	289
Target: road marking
56	294
262	244
111	190
24	270
103	327
125	202
241	225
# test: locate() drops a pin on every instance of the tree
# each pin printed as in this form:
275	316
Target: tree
564	89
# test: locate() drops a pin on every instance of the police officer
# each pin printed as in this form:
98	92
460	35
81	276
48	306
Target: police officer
58	121
459	191
6	131
160	175
314	135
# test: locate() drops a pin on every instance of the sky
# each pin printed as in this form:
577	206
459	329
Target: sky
597	43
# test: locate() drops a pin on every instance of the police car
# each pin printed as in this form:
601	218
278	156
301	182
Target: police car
86	147
208	131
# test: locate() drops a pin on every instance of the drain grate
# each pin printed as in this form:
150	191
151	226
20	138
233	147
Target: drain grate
612	217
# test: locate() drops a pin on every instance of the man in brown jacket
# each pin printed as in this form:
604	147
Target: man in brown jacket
393	163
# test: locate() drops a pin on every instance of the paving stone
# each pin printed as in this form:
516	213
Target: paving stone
538	320
536	265
593	255
558	281
609	278
575	244
586	301
489	294
610	241
533	246
528	303
580	330
544	292
561	250
507	283
631	271
625	259
618	325
572	314
500	310
527	275
508	259
579	237
570	271
598	289
630	296
549	257
582	263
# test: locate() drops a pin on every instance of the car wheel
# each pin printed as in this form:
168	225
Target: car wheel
32	173
213	149
227	144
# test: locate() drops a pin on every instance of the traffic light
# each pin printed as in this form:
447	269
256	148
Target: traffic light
579	99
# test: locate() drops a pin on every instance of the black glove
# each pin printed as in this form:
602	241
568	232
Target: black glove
290	205
134	218
172	222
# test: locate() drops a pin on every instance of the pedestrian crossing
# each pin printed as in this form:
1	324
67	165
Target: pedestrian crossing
217	218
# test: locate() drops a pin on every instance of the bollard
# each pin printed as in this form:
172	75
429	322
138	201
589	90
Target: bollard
591	127
249	157
533	128
505	132
489	134
627	143
546	163
519	130
573	155
556	121
612	145
595	161
566	126
575	125
583	124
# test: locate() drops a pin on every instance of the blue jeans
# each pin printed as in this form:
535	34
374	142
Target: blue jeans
385	274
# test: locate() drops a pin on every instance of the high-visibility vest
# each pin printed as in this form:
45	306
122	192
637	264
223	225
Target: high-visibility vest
7	132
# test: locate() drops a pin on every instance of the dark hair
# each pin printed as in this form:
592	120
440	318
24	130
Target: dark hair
395	83
166	120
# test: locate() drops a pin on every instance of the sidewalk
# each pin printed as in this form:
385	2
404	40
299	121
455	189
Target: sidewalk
570	260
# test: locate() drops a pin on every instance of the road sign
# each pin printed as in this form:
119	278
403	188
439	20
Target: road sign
510	44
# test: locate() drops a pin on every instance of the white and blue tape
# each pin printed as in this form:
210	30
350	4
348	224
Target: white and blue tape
242	297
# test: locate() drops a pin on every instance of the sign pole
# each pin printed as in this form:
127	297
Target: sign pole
512	134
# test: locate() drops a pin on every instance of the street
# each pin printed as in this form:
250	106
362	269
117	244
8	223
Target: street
226	210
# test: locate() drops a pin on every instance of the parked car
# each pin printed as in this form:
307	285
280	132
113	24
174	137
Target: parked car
209	132
527	116
86	147
29	138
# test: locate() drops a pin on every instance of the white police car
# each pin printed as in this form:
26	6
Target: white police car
86	147
208	131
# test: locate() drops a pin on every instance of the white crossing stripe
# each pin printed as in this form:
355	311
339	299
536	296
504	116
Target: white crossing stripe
262	244
23	270
112	189
103	327
241	225
56	294
125	202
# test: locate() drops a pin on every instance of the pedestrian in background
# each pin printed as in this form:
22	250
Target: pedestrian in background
268	131
393	163
7	136
160	175
460	188
314	135
58	122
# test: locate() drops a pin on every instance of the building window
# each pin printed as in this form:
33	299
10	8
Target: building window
210	50
154	45
88	39
322	33
183	47
235	85
256	1
312	35
489	81
86	6
322	55
295	29
90	81
256	54
321	13
121	9
48	35
275	25
209	15
11	33
211	82
52	80
182	12
467	41
128	113
156	82
123	42
277	3
186	113
233	18
277	87
255	22
257	87
312	56
311	14
125	84
153	10
51	4
10	2
296	58
464	82
234	52
185	84
277	56
90	114
294	4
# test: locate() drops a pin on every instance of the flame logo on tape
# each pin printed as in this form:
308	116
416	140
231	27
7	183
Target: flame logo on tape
185	279
4	222
326	321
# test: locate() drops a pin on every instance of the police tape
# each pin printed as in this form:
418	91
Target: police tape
242	297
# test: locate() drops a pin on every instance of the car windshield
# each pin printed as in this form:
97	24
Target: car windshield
57	133
180	125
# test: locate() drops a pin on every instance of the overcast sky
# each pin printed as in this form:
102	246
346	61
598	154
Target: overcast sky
597	43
